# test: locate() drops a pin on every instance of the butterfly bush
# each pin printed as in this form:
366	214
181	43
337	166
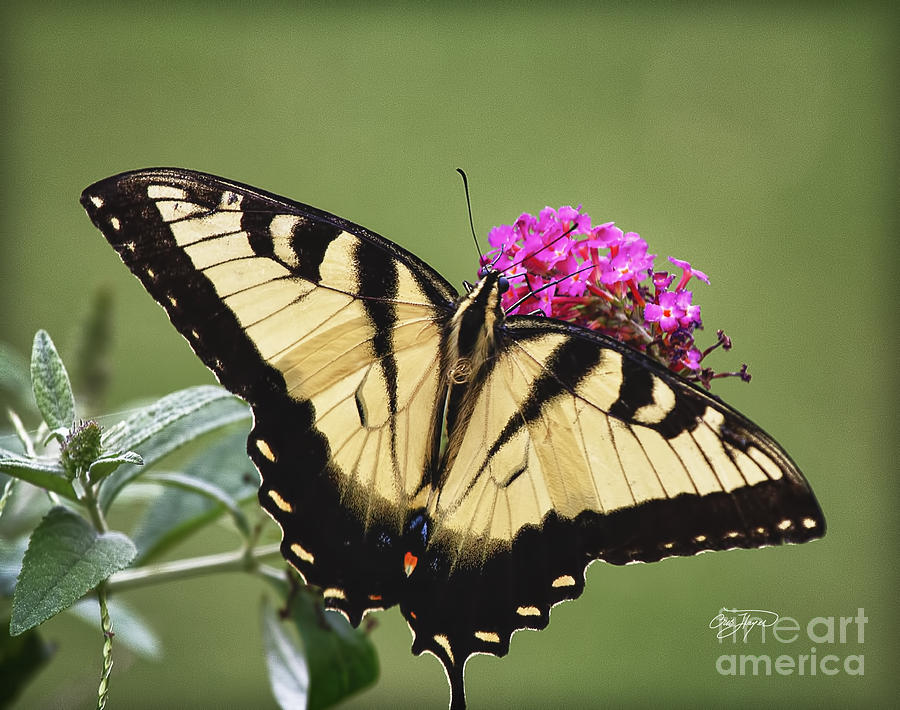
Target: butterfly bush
604	279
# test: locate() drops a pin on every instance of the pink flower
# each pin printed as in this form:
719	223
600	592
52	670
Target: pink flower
501	237
605	236
691	359
601	278
666	311
662	280
690	313
631	260
688	272
576	283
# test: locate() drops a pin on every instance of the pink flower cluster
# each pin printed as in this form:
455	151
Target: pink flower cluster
601	278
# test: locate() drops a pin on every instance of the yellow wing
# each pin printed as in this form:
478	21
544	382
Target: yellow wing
564	426
333	335
575	449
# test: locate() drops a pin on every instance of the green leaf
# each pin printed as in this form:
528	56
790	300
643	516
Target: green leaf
164	426
66	558
153	419
21	514
130	628
20	658
340	660
174	515
42	472
50	382
106	464
7	488
208	490
288	672
11	554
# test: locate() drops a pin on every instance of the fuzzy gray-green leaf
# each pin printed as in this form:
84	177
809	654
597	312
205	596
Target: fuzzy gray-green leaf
38	471
285	661
65	559
175	514
50	383
191	484
172	421
131	629
108	463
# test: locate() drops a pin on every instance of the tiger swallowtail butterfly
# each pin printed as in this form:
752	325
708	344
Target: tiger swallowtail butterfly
421	448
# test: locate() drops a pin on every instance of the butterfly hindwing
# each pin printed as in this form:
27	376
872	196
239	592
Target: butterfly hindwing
580	449
581	423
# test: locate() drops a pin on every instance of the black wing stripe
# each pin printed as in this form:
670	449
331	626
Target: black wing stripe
568	364
635	391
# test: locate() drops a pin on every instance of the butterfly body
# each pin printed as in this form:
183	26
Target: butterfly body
420	448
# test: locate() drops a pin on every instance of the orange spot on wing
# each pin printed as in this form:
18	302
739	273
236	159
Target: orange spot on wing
409	563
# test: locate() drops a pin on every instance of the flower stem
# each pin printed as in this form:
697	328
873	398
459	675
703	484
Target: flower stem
106	626
237	560
92	504
96	513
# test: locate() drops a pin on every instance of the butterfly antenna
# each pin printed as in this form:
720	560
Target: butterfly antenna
534	292
469	208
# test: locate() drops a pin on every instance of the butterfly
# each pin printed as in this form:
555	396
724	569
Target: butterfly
420	448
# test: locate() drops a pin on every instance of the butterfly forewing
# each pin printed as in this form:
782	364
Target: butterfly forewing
331	333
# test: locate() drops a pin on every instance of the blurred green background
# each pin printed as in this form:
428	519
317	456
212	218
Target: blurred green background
760	143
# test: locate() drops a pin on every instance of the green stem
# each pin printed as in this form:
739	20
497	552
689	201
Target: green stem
7	492
93	505
106	626
93	508
237	560
21	433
